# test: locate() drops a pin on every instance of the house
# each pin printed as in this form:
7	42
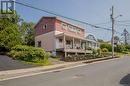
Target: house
61	37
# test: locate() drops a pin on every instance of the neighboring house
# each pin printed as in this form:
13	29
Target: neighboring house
60	37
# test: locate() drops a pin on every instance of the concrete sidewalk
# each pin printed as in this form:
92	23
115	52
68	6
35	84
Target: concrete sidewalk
15	73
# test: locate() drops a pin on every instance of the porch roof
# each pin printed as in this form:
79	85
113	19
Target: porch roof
77	37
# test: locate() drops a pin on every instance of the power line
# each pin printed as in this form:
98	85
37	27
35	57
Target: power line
122	25
124	21
103	23
61	15
49	12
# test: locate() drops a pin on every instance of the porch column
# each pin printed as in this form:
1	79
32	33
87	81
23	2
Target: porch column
86	45
80	44
96	45
64	45
65	54
73	43
64	42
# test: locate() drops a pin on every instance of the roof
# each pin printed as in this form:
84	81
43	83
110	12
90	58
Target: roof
82	38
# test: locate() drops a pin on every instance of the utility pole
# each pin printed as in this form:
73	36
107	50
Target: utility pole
125	35
112	19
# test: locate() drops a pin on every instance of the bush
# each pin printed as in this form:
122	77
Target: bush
94	52
120	48
89	48
128	47
99	51
104	50
106	54
28	53
105	45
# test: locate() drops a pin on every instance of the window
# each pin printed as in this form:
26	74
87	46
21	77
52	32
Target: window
74	28
60	40
39	43
45	26
64	26
68	42
78	30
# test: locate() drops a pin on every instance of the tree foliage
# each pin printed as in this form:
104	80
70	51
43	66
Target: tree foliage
28	33
120	48
9	34
100	40
13	30
107	46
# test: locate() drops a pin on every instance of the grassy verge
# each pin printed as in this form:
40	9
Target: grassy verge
119	54
129	54
40	63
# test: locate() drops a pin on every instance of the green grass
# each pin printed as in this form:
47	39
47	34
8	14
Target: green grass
119	54
129	54
39	63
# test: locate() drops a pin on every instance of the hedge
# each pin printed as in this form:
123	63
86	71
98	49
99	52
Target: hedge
105	45
28	53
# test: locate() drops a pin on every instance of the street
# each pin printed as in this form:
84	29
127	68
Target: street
115	72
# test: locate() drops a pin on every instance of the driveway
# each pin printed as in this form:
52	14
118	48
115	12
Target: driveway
7	63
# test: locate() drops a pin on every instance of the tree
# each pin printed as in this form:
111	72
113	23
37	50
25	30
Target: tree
100	40
105	45
27	30
14	18
128	47
116	40
120	48
126	36
9	34
9	31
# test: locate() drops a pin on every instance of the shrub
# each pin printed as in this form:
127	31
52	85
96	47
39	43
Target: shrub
99	51
28	53
94	52
105	45
104	50
120	48
106	54
125	52
89	48
128	47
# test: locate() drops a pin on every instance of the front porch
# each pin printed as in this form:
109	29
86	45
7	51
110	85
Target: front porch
70	44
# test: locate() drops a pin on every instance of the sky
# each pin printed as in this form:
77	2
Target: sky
94	12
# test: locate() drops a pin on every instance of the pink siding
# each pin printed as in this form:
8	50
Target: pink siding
49	21
55	24
59	28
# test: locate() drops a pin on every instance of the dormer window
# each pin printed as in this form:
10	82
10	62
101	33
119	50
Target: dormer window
45	26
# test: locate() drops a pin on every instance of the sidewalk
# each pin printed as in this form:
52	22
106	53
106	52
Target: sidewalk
52	68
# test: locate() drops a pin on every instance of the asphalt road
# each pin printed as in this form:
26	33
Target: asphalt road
7	63
114	72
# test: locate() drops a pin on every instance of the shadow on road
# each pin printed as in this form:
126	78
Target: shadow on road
125	81
6	63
